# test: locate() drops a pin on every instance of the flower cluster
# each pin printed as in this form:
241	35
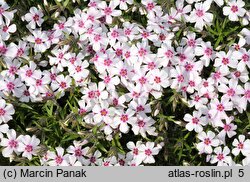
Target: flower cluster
120	69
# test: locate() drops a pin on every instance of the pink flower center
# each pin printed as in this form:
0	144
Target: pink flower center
150	6
61	26
191	83
123	72
36	17
60	55
12	70
196	98
124	118
141	123
227	127
142	52
231	92
20	52
97	38
135	151
107	62
220	107
92	159
58	159
114	34
127	31
104	112
91	94
234	8
107	79
162	37
148	152
118	52
127	54
169	54
121	162
13	144
38	41
180	78
53	76
208	52
225	61
195	120
145	34
199	12
237	74
245	58
240	145
142	80
205	84
151	65
247	94
140	108
78	69
10	86
107	11
189	67
182	57
157	79
106	163
26	93
38	82
29	148
63	85
191	42
5	28
217	75
220	157
29	73
78	152
207	141
2	112
80	24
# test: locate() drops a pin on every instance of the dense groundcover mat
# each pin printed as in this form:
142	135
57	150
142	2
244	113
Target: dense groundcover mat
124	82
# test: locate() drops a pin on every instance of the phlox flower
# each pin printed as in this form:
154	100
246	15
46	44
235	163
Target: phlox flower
11	143
242	145
221	156
34	17
57	158
234	10
40	40
109	10
200	16
208	141
195	122
29	146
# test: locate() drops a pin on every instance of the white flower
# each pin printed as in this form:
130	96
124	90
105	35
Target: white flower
208	141
40	40
34	17
195	122
234	10
148	151
11	143
221	156
200	16
242	145
57	158
6	111
29	146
